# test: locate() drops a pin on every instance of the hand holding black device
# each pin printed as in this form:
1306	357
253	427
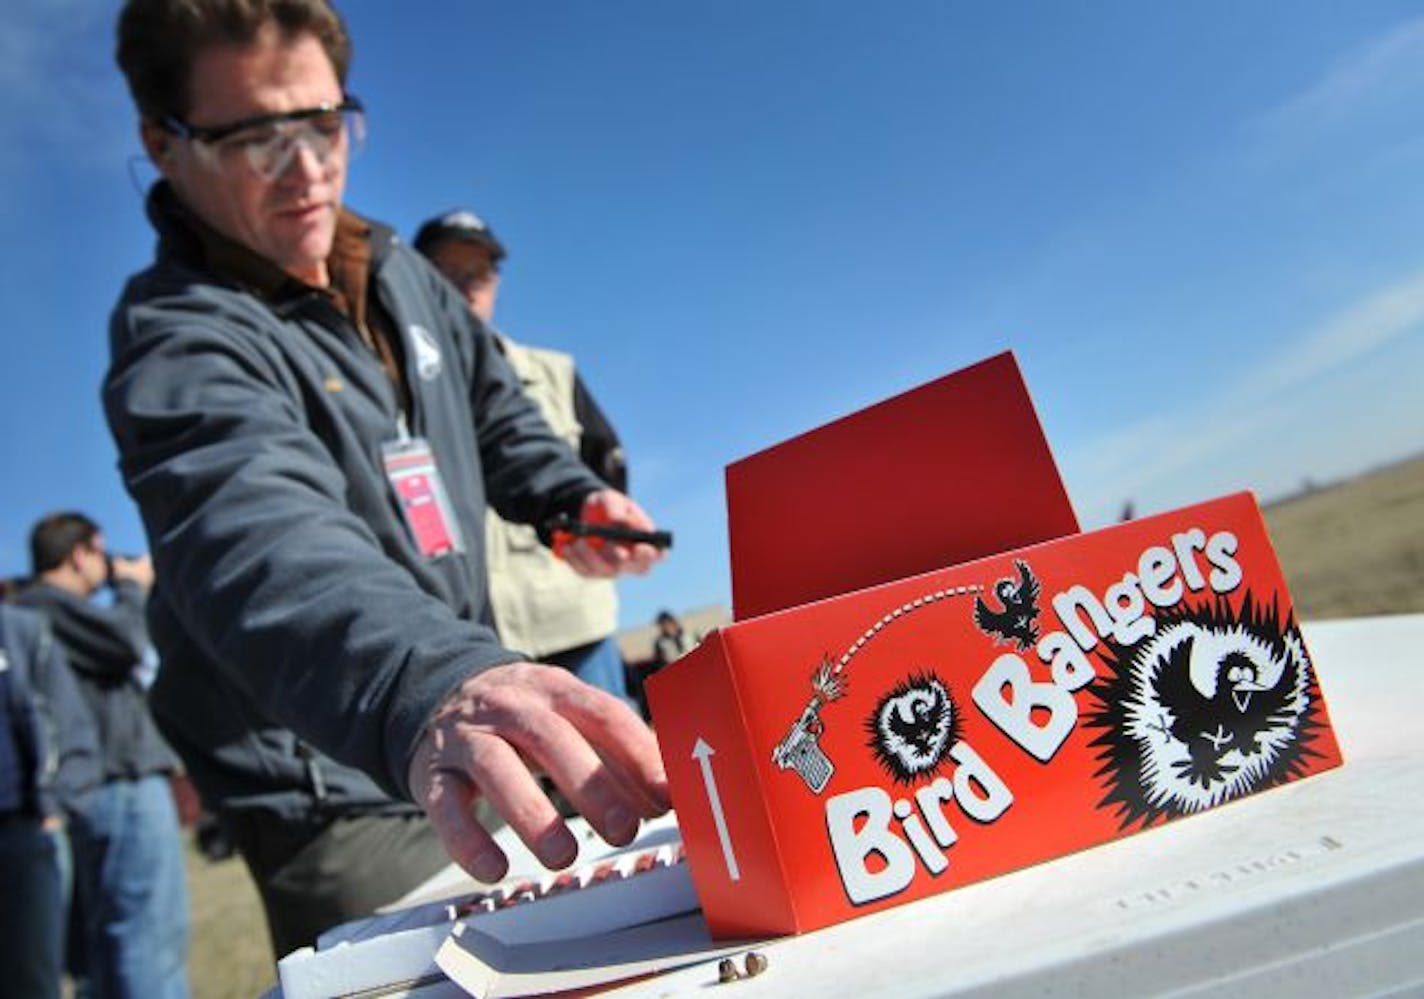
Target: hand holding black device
563	529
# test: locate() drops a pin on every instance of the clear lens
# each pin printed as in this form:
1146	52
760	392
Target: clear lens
270	149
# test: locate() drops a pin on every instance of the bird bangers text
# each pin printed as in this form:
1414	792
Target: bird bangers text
877	840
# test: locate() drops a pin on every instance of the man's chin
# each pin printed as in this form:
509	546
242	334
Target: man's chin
307	249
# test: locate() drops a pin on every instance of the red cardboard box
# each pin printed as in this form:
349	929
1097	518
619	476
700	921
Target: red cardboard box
847	755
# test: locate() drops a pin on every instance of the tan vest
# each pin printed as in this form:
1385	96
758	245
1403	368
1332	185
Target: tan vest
540	605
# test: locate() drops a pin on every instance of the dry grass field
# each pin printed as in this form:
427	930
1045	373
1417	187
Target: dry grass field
230	957
1354	548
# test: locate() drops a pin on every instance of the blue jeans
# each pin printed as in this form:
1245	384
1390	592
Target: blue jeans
599	664
130	881
33	909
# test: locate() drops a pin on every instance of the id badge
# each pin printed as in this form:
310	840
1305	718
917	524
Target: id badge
411	469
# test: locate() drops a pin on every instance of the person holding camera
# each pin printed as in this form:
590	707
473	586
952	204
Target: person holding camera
128	853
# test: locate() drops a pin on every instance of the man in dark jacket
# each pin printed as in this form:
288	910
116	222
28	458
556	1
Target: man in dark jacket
49	763
312	425
128	851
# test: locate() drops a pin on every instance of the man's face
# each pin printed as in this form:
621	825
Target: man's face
290	219
91	561
470	268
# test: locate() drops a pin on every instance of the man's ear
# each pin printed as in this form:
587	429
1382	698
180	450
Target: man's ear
157	143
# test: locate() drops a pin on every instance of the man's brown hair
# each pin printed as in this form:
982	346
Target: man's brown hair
159	39
54	538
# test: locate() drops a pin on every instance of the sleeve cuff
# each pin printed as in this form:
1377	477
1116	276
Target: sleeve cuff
422	698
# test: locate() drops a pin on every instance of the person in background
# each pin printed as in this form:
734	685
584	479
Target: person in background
129	874
312	425
541	606
49	762
672	641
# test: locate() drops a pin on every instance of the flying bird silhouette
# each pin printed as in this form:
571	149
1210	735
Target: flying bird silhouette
1018	620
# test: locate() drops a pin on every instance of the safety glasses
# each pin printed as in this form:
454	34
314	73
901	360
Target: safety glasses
269	143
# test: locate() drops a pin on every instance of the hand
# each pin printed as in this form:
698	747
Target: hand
135	570
603	559
484	740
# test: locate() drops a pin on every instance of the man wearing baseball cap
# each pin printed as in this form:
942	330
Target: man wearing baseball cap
541	606
464	248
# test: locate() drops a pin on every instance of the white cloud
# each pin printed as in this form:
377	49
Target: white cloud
1362	329
1386	72
1335	400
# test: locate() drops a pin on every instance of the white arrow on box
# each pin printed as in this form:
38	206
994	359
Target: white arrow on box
703	754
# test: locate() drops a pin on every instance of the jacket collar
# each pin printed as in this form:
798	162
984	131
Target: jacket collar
185	238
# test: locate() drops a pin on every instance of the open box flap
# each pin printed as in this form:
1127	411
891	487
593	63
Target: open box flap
954	470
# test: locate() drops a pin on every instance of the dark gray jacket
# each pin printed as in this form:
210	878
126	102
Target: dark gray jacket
292	604
105	645
49	749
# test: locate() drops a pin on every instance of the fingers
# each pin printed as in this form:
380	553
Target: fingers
602	559
599	753
605	760
449	803
625	745
609	506
492	764
598	792
448	799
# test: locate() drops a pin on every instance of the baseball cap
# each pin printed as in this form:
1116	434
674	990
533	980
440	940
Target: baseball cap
458	224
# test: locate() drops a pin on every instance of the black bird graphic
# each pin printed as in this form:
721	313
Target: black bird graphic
913	727
917	719
1242	708
1018	621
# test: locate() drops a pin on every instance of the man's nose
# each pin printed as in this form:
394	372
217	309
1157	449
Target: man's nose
303	158
309	161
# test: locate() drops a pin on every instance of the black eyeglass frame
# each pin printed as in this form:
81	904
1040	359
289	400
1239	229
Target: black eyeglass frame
173	125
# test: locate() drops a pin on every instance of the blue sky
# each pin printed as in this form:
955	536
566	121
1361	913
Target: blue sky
1197	225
